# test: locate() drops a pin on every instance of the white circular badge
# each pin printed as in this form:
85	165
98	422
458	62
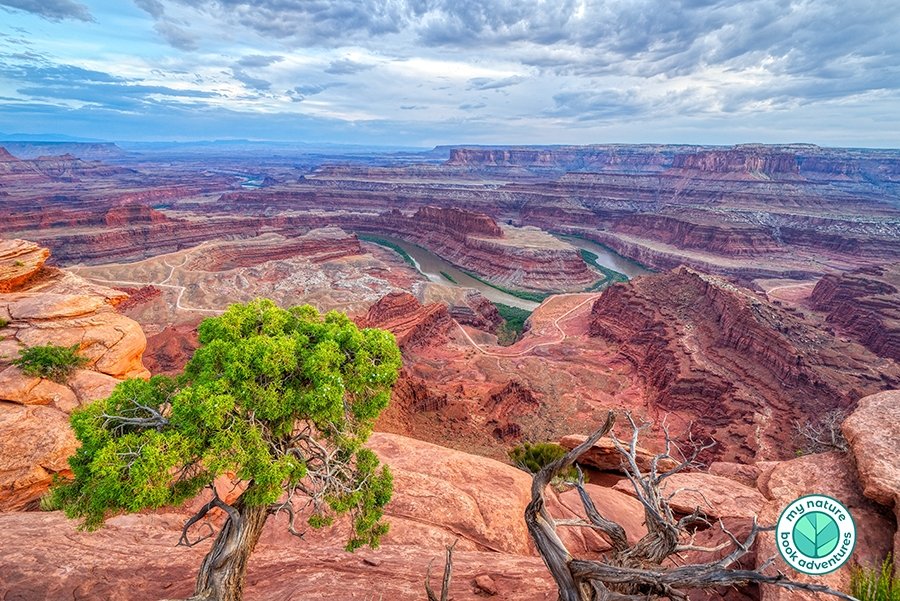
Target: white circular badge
815	534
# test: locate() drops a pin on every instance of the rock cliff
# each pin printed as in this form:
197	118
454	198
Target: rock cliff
866	305
745	369
61	309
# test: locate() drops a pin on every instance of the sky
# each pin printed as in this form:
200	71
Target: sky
429	72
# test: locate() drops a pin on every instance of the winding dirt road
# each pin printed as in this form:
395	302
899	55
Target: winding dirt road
562	334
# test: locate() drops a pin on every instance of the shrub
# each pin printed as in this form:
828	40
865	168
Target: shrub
3	323
513	323
532	457
870	584
50	361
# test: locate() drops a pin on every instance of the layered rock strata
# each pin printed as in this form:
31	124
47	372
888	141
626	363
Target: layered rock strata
745	369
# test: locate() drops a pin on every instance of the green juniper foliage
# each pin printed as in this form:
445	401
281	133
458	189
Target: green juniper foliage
531	457
50	361
265	388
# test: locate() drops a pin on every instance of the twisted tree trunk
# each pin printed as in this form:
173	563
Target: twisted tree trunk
224	568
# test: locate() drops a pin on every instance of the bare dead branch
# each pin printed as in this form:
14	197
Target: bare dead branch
648	569
448	574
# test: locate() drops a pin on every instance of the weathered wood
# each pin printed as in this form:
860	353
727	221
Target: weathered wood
640	571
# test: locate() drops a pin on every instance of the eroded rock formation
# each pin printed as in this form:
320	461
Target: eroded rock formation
745	369
866	305
61	309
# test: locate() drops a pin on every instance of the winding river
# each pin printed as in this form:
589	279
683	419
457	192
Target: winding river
436	269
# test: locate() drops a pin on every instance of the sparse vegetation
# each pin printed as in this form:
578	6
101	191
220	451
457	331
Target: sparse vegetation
875	584
537	297
610	276
513	323
822	433
3	323
449	277
19	264
50	361
388	244
533	457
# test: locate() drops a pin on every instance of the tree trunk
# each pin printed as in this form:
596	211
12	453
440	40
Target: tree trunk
224	568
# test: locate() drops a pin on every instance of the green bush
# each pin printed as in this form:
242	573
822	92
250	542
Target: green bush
869	584
532	457
50	361
449	277
513	323
3	323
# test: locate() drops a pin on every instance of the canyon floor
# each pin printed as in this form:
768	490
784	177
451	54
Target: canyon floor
732	293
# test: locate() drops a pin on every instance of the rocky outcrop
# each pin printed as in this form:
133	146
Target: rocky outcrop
413	324
507	404
829	474
865	304
318	245
169	351
744	369
523	258
758	161
604	456
716	496
60	309
873	431
20	261
733	240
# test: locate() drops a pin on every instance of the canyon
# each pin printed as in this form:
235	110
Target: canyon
763	290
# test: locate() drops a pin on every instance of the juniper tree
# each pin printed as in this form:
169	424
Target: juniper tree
280	400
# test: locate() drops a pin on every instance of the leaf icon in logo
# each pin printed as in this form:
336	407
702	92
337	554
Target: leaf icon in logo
816	534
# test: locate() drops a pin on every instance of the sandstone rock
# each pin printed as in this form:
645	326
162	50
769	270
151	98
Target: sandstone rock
742	368
36	443
49	306
865	304
716	496
604	456
739	472
873	431
20	261
413	324
90	385
830	474
485	584
112	342
454	494
16	387
134	557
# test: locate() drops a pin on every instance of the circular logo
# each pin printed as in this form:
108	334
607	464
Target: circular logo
815	534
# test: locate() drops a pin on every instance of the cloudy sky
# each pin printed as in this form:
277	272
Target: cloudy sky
425	72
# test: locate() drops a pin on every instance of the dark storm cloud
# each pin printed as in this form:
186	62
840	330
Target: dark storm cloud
52	10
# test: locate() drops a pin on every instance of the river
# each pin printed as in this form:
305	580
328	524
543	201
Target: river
432	266
607	257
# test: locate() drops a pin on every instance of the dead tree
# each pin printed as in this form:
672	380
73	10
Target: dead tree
644	570
824	433
445	583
